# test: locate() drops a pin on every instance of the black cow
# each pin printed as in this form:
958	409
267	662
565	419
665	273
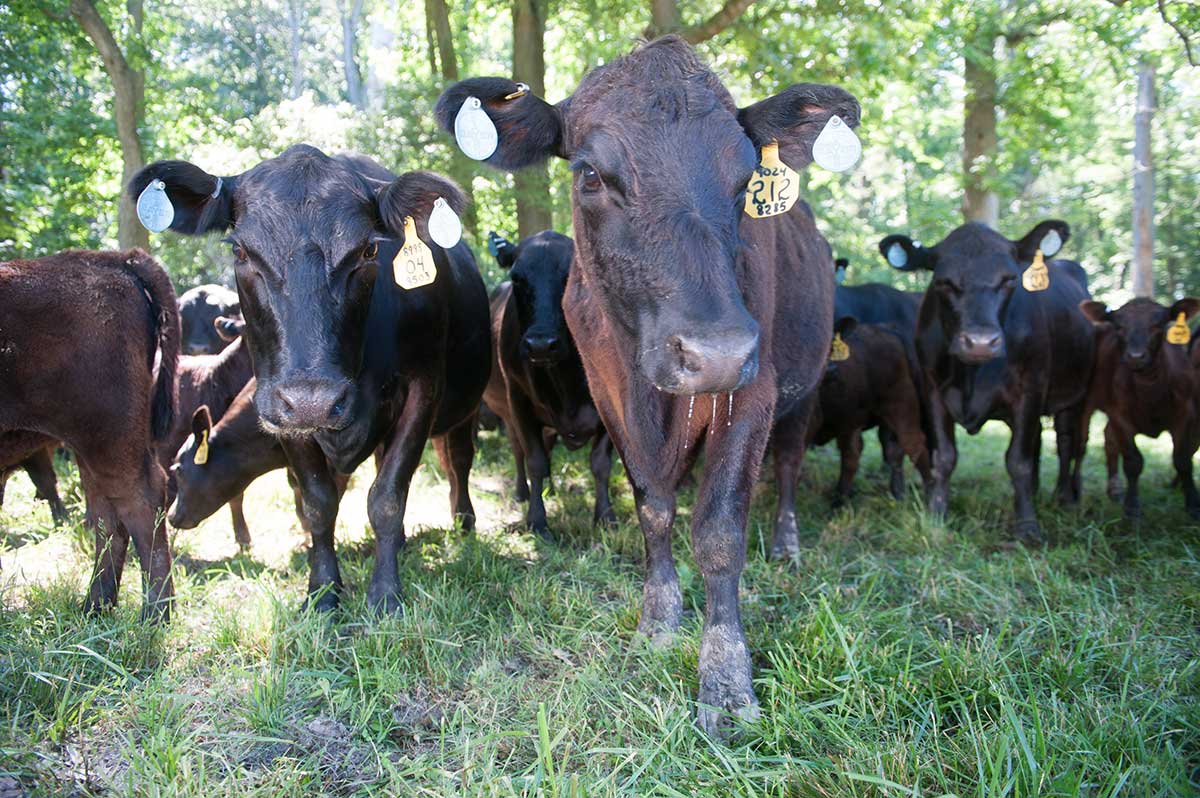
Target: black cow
699	325
345	358
990	349
199	309
538	384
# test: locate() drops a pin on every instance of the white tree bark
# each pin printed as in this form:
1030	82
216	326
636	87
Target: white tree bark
1143	186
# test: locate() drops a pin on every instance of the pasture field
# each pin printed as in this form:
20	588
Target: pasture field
895	657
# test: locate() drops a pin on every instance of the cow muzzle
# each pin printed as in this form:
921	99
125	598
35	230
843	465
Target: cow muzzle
704	362
306	405
978	346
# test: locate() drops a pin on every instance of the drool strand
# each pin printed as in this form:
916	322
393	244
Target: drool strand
687	432
729	416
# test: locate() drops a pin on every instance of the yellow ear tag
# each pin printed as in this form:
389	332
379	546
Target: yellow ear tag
839	350
413	266
774	187
1179	333
1036	277
202	450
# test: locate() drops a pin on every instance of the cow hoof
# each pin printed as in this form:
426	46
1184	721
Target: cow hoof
1115	490
542	530
522	494
324	600
658	636
1066	497
785	548
606	518
385	601
1029	533
718	714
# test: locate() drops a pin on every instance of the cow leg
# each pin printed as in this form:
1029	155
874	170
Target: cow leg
141	514
945	453
850	447
601	463
522	483
1066	430
112	544
1184	447
456	452
719	545
908	439
1112	459
893	460
40	468
241	531
789	440
537	460
319	498
1022	463
388	496
662	602
1133	471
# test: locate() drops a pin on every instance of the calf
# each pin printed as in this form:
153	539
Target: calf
210	381
990	348
34	453
698	324
360	332
538	384
1146	386
79	334
199	309
876	384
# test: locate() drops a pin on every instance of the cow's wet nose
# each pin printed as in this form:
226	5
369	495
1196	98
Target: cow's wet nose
978	346
543	346
1138	358
716	362
313	404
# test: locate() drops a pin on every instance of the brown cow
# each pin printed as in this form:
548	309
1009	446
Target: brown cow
211	381
79	333
699	326
1146	386
35	454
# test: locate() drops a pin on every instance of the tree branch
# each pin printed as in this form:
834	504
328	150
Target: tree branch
93	25
718	22
1187	44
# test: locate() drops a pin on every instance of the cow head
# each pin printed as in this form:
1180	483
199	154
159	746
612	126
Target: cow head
661	159
187	474
309	234
1140	326
228	329
198	309
975	272
538	269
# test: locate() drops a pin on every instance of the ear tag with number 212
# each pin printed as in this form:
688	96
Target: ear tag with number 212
1179	332
839	350
774	187
1036	277
413	266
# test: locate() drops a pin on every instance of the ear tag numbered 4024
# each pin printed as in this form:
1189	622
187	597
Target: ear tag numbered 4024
775	186
474	130
836	147
839	350
1037	276
413	265
1179	333
201	456
154	208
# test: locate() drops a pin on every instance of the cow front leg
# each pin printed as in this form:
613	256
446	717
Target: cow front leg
319	497
849	454
456	452
112	545
944	454
662	602
789	439
1112	461
1022	462
241	530
1067	491
388	497
1184	447
601	463
537	460
140	511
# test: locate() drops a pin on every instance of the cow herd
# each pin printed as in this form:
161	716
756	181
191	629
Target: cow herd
696	320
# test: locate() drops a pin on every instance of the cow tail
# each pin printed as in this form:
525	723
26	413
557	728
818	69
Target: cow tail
165	309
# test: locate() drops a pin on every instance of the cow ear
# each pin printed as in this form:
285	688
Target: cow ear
845	325
1093	311
201	421
1189	306
502	250
795	117
1048	236
528	129
902	253
228	329
201	202
413	194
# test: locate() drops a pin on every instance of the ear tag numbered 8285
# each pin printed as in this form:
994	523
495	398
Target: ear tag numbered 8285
774	187
1179	333
839	350
1037	276
154	208
413	265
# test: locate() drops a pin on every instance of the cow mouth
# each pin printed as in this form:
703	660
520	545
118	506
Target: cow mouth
178	519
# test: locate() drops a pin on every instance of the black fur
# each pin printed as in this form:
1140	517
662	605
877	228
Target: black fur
795	117
190	190
413	194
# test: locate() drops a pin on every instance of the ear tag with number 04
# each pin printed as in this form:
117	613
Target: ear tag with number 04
154	209
836	148
839	350
1036	277
1179	332
413	266
201	456
774	187
444	226
474	130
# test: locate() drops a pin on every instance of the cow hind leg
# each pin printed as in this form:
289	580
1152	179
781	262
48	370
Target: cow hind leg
788	442
850	447
601	464
893	460
1112	459
241	530
1066	430
521	487
141	513
112	544
40	468
1184	448
456	453
1133	463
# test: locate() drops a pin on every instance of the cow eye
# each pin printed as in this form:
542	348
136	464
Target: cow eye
239	253
589	179
370	251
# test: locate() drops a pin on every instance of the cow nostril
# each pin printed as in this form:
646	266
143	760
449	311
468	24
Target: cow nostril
285	400
995	341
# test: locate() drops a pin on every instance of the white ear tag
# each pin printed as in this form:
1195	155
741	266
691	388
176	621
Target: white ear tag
1051	243
154	208
444	226
474	131
836	148
896	255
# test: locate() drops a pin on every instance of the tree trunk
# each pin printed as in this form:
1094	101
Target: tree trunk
354	85
1143	186
382	38
441	42
980	203
665	18
529	66
295	23
129	98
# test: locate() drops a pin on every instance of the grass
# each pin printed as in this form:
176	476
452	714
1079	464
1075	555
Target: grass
895	657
